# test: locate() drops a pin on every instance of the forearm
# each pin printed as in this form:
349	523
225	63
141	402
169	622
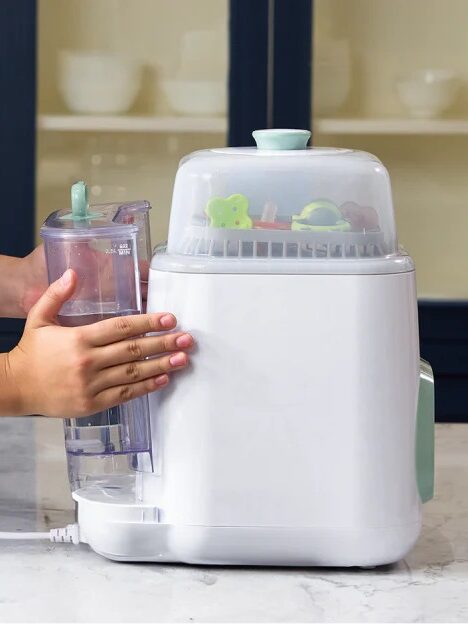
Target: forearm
12	282
10	395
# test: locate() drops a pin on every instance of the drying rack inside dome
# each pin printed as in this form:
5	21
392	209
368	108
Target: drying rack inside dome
266	243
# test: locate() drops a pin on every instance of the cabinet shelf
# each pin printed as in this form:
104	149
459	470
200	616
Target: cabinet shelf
131	123
396	126
218	125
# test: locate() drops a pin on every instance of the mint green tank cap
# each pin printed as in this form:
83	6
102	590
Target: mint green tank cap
281	139
80	204
79	200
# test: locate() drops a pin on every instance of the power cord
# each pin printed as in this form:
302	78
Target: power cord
69	534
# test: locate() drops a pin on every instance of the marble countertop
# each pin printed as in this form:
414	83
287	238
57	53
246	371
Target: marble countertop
42	582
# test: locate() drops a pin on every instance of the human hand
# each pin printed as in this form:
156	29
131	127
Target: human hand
77	371
33	280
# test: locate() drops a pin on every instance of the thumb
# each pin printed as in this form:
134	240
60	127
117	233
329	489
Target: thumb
45	311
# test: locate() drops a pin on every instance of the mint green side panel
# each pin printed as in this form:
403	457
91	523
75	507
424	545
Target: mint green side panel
425	433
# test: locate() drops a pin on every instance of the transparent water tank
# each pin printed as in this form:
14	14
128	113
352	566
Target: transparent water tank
108	247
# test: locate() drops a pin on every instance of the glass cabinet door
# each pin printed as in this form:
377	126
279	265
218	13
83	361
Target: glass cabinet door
125	89
390	78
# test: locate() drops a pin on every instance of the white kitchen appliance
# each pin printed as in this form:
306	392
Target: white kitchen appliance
302	432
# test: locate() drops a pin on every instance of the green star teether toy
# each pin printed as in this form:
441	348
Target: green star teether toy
230	212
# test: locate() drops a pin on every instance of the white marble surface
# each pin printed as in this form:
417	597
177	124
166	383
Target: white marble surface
40	582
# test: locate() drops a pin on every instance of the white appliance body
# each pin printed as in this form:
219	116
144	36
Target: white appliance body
290	440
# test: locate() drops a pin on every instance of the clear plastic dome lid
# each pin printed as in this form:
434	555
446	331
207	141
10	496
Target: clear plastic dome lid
282	201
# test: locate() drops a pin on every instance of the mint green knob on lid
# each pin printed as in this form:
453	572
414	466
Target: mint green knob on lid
281	139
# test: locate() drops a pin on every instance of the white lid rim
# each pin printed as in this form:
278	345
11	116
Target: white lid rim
179	263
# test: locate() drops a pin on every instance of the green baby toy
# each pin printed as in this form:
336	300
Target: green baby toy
230	212
320	215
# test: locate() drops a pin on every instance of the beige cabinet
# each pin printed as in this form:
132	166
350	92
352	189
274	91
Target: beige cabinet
362	50
179	105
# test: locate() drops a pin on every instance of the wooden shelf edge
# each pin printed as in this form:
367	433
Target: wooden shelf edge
218	125
390	126
127	123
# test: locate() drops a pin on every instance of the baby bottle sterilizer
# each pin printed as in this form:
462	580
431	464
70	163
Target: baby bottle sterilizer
302	431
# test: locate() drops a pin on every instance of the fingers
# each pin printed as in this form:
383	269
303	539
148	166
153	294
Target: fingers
45	311
123	327
144	270
126	392
139	348
134	372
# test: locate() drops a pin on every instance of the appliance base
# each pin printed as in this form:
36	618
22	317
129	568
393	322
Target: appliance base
131	532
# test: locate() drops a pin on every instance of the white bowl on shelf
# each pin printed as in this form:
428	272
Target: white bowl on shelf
429	92
195	97
98	82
